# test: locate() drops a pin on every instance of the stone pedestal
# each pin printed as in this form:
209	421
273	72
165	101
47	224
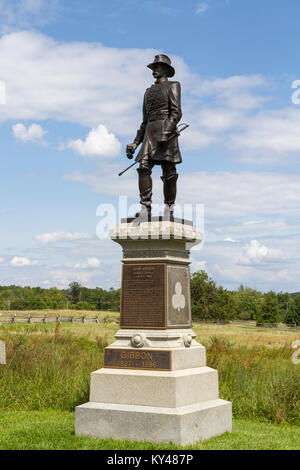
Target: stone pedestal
155	385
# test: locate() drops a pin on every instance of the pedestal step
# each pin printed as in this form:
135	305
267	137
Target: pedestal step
183	426
154	388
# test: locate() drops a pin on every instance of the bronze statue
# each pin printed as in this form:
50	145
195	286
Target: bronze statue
158	135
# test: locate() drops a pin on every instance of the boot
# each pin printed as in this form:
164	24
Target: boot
170	189
143	216
169	212
145	188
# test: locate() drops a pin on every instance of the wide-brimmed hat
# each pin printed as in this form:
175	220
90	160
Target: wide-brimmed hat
163	59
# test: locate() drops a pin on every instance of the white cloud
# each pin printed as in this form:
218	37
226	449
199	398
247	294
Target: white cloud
199	265
89	263
16	14
224	194
20	261
242	194
89	83
62	278
274	225
1	260
99	143
271	263
257	253
201	8
33	133
268	137
53	237
234	92
66	82
2	92
86	83
228	239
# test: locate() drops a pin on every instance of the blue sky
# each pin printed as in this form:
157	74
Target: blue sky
75	73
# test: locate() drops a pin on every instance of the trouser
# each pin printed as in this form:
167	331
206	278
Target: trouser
169	178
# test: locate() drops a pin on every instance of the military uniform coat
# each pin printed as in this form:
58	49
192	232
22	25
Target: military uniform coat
161	114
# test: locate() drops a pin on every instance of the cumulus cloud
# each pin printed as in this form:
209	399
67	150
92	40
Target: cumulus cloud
33	133
20	261
86	83
65	82
271	263
89	263
98	143
256	253
53	237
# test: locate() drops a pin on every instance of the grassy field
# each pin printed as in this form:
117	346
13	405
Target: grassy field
48	374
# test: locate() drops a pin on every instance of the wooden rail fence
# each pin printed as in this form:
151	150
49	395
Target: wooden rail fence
16	318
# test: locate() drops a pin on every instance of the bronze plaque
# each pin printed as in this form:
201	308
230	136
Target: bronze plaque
143	299
137	359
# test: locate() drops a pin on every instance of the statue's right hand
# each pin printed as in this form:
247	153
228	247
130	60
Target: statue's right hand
130	149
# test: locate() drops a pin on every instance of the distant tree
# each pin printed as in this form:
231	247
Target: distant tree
293	314
284	304
74	290
268	310
247	300
223	307
203	293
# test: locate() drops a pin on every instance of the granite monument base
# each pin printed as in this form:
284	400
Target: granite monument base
155	385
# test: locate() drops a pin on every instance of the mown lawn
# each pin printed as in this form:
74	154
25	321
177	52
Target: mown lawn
54	430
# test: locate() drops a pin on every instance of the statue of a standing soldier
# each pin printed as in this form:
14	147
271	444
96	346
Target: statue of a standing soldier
159	137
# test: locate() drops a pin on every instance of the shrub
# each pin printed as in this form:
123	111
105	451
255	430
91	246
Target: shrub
244	316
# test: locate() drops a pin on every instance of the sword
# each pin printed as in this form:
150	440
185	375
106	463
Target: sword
177	133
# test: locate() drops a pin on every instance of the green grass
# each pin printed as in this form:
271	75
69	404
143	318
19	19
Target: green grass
48	373
260	382
47	369
50	368
50	430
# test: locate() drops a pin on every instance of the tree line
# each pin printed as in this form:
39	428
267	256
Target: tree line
76	297
212	302
209	301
